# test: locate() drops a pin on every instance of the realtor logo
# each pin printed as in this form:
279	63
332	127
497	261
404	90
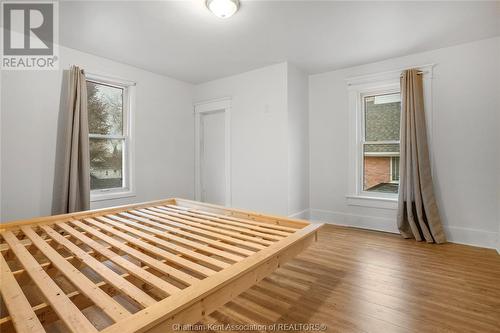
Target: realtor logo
29	35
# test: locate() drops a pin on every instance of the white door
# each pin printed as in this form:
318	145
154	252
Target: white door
212	158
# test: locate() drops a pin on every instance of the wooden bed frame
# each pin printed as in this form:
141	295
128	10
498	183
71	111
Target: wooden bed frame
139	267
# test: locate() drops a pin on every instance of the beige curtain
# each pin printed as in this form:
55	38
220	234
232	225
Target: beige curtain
76	172
418	214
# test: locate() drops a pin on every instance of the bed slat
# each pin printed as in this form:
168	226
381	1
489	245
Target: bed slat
167	233
111	307
224	229
62	305
207	230
177	260
105	272
276	234
163	286
236	219
182	250
20	310
150	261
200	232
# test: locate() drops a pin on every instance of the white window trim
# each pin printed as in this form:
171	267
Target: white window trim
369	84
128	123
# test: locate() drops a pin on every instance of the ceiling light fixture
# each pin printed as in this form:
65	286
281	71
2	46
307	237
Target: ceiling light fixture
223	8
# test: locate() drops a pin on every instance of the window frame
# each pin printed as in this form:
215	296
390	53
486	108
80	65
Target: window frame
388	89
392	168
370	84
128	188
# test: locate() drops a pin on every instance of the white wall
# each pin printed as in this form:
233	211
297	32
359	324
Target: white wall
298	143
259	151
30	112
465	132
269	138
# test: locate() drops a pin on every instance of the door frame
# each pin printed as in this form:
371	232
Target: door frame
221	105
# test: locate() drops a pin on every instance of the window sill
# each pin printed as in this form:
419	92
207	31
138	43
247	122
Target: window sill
101	196
373	202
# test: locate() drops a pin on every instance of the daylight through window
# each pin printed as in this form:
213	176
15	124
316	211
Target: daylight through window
108	136
381	142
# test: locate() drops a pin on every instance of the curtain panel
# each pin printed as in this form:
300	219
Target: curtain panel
418	213
76	172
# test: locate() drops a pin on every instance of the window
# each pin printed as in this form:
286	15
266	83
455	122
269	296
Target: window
395	169
374	119
109	139
374	146
380	142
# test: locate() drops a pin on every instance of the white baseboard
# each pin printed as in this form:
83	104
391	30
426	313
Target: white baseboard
467	236
474	237
303	215
351	220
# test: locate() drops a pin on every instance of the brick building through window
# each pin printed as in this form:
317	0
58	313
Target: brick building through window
381	143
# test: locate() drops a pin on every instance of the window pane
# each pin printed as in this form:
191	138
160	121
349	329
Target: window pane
106	163
380	163
382	117
105	106
395	169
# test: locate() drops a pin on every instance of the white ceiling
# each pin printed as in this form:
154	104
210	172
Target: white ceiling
182	39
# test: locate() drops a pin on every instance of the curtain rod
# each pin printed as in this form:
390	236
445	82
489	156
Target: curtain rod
109	78
416	67
391	74
418	73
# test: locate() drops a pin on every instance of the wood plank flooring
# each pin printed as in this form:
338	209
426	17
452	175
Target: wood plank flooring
355	280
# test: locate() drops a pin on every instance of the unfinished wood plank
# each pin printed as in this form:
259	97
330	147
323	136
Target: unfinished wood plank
222	220
207	230
252	230
189	230
163	286
22	315
239	213
111	307
26	242
170	257
150	261
43	310
119	283
236	219
253	235
213	246
62	305
181	250
79	215
46	313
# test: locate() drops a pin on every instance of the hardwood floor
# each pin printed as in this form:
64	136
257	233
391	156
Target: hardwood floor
355	280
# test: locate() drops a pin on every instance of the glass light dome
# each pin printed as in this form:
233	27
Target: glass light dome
223	8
